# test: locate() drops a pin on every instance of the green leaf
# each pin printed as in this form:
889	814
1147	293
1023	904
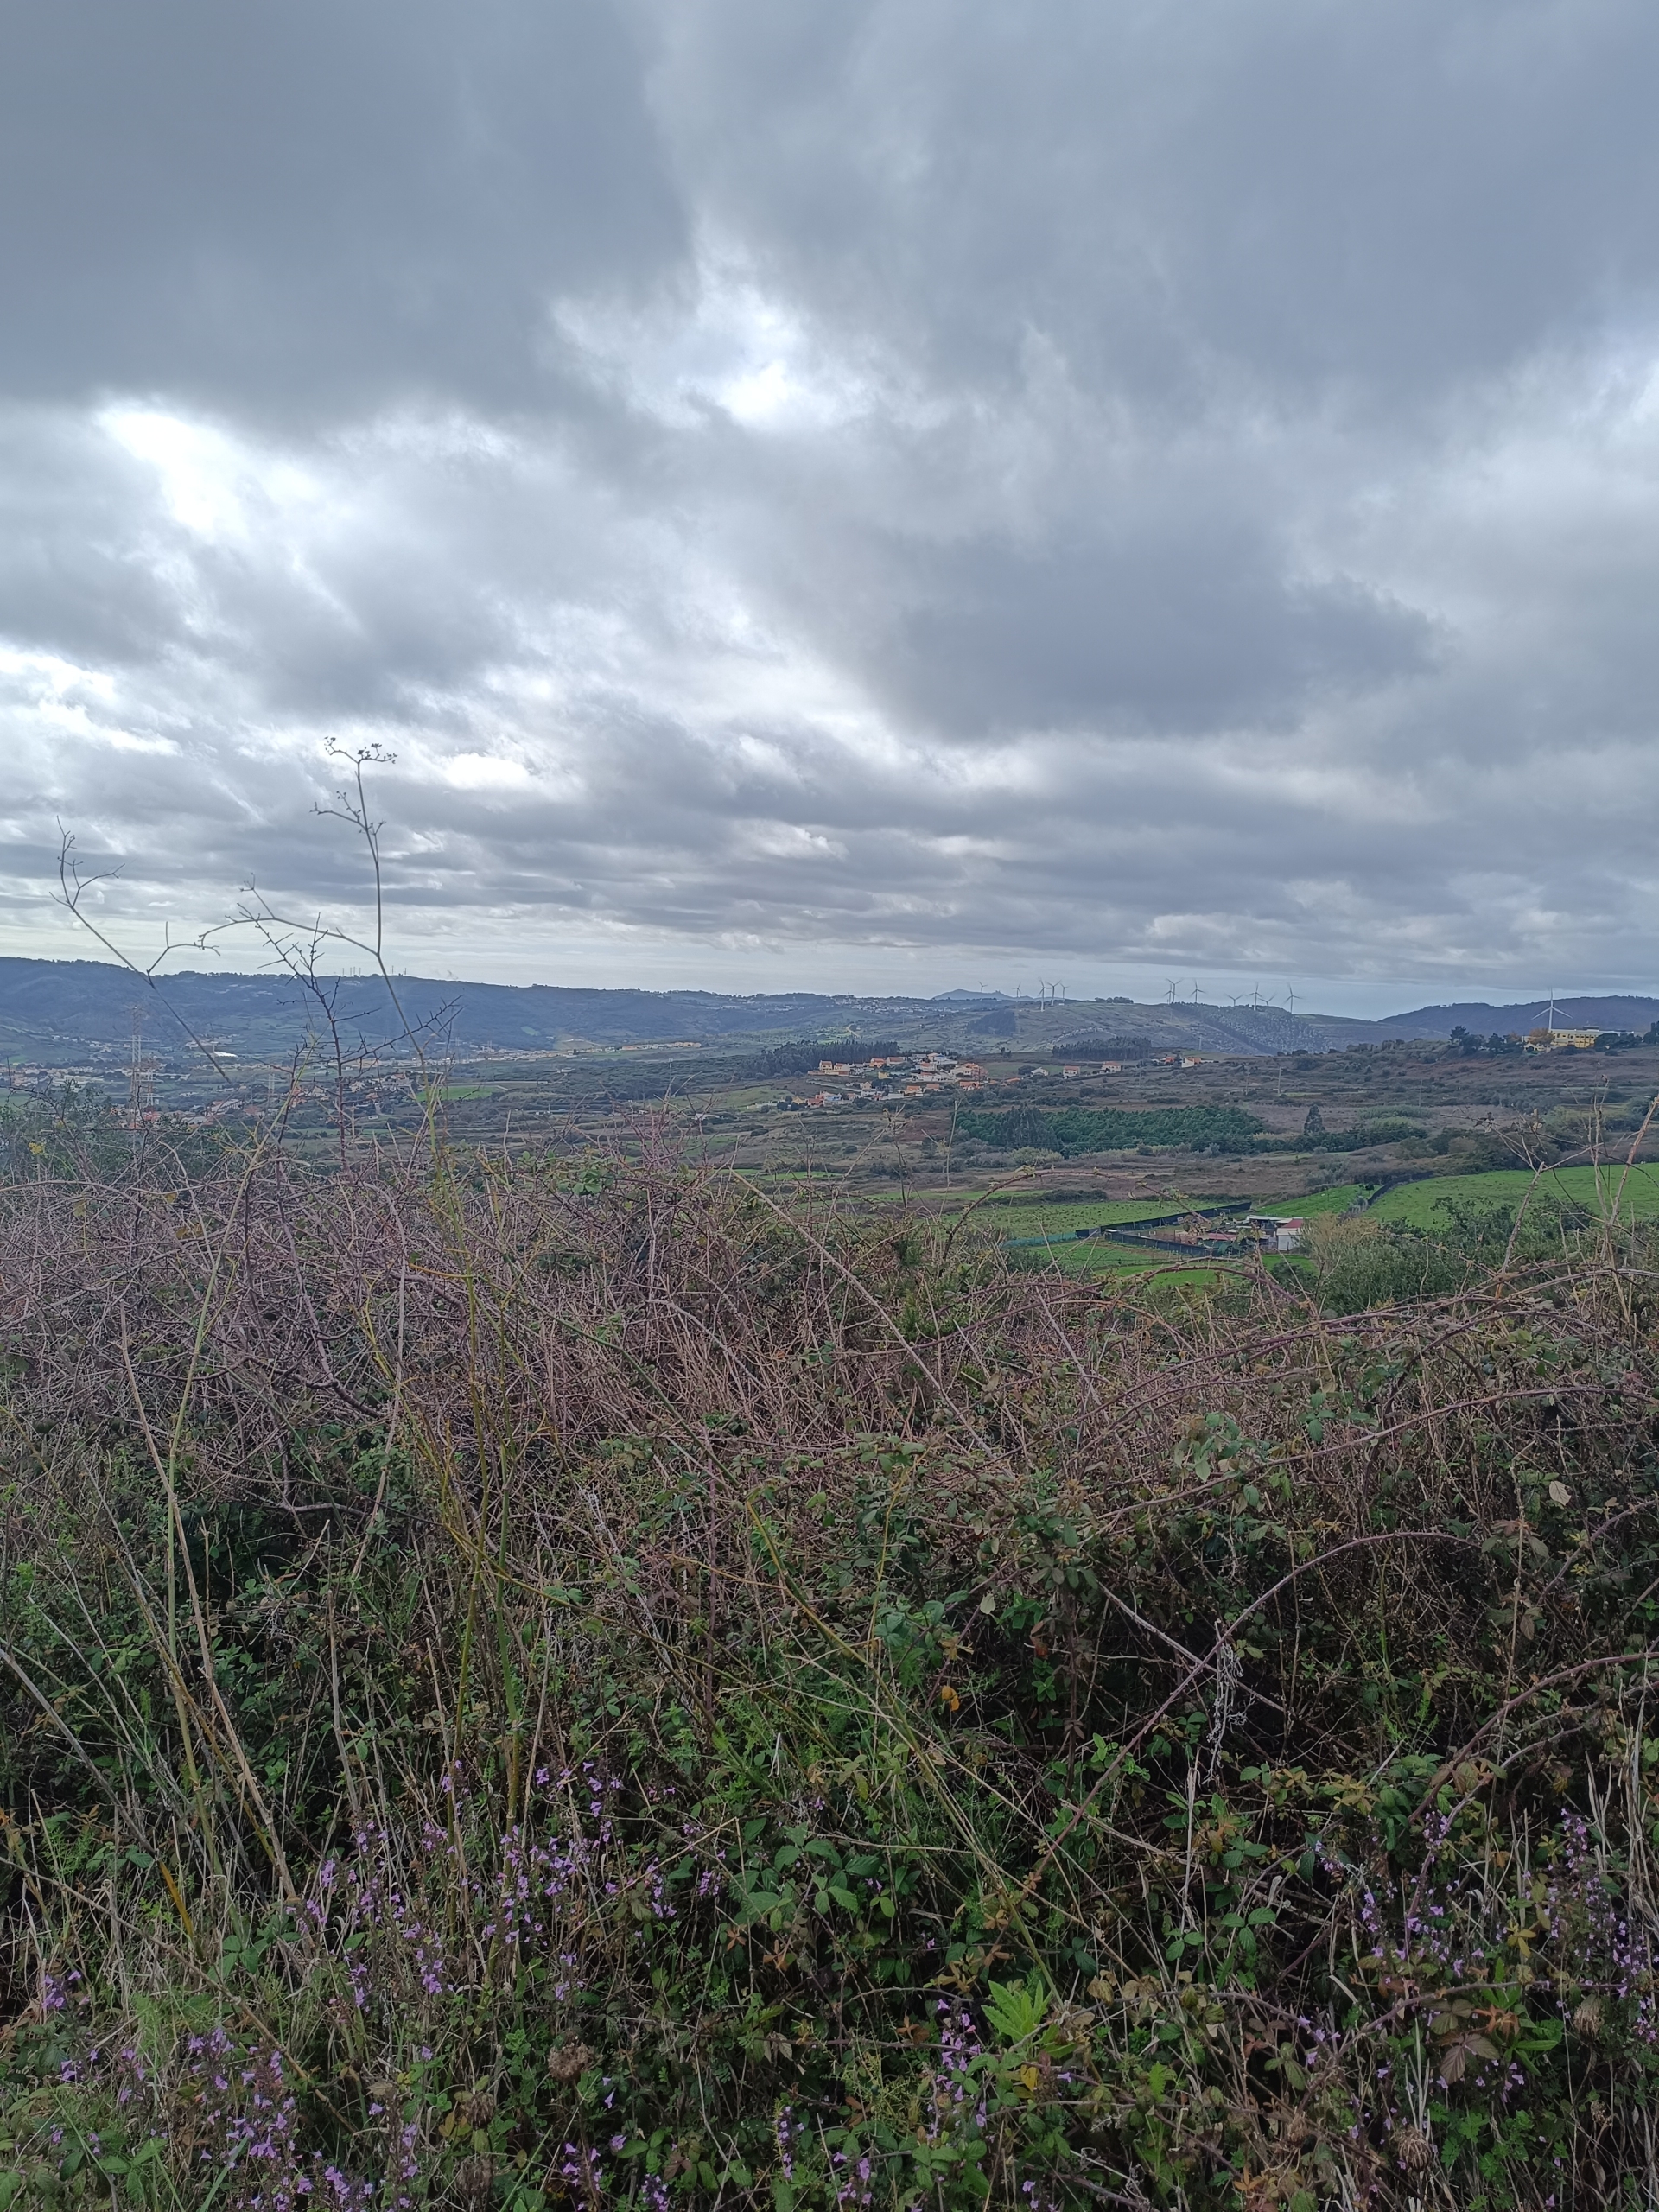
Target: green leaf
1016	2009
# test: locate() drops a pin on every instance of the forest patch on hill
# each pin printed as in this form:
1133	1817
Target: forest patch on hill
1070	1129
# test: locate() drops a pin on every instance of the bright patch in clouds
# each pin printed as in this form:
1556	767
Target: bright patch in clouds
484	771
212	484
752	357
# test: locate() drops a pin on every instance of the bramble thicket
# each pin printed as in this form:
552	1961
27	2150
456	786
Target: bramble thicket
570	1679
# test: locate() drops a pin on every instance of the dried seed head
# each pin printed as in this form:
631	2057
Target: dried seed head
566	2060
1413	2150
475	2110
475	2183
1586	2017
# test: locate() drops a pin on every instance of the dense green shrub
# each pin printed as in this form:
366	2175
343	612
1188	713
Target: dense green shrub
1070	1129
1361	1264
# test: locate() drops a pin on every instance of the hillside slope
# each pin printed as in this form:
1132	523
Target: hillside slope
67	1012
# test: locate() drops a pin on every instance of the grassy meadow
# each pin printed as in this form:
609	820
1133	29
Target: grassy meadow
1592	1190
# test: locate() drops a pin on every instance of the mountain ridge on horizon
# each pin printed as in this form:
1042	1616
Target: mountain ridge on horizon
48	1005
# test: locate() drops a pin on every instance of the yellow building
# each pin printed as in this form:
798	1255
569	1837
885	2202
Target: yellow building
1561	1040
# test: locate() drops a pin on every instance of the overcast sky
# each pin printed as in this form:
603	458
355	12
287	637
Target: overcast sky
898	494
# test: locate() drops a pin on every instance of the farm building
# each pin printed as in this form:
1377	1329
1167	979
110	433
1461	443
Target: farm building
1561	1040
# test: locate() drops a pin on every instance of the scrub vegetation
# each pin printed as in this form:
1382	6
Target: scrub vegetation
563	1678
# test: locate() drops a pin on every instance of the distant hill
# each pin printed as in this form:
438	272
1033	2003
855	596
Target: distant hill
1616	1013
91	1003
80	1012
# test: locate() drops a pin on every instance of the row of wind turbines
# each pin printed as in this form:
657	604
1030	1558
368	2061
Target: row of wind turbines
1174	989
1255	998
1047	994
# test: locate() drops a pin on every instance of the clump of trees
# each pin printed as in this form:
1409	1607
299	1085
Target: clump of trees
1070	1129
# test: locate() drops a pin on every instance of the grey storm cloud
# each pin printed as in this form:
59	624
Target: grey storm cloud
1150	485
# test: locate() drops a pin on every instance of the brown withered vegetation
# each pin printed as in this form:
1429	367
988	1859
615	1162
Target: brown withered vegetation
533	1681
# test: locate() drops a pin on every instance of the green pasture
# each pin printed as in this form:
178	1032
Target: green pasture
1059	1217
1014	1221
1097	1257
1416	1204
1337	1201
1062	1218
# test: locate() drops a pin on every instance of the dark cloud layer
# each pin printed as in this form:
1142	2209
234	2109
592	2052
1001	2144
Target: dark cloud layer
1145	486
310	207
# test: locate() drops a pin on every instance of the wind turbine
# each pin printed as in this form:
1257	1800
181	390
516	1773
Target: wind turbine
1171	981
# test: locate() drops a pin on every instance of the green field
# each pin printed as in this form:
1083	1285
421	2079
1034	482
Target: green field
1411	1205
1061	1217
1097	1257
1014	1221
1332	1201
1416	1204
